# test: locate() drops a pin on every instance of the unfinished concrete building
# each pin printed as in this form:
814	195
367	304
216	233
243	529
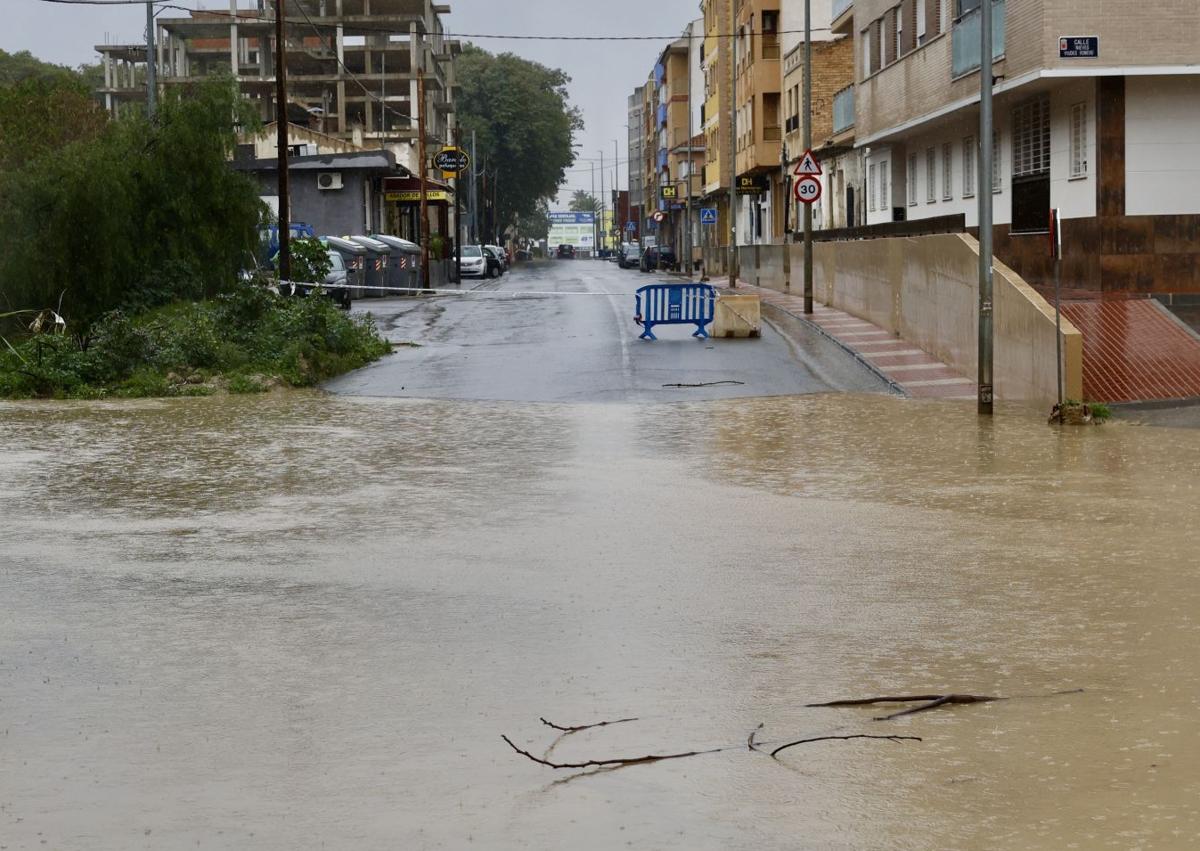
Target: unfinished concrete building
353	66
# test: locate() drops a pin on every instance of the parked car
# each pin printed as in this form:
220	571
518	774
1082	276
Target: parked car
565	252
658	257
495	263
629	255
335	286
501	254
473	264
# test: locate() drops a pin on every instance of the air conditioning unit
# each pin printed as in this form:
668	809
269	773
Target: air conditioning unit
329	180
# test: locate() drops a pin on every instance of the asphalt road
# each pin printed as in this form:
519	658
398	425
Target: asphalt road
562	331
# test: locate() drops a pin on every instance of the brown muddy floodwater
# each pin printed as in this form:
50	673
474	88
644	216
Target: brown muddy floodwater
302	621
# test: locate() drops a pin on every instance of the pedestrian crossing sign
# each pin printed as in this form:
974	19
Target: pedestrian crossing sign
708	215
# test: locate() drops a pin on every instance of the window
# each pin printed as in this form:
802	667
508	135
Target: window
866	53
1079	139
881	44
921	20
871	169
969	167
883	186
965	6
912	180
997	183
930	176
1031	138
947	172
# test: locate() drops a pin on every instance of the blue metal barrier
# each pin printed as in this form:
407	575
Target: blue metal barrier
674	304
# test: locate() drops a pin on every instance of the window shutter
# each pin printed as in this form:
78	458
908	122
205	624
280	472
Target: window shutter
889	43
876	35
933	18
908	41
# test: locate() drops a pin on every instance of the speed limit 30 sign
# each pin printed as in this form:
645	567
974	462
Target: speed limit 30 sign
807	189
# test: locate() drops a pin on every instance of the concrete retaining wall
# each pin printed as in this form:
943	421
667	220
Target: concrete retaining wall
925	290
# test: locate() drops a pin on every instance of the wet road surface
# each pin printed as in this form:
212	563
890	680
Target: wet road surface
304	621
581	346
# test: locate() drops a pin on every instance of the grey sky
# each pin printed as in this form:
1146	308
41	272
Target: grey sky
603	73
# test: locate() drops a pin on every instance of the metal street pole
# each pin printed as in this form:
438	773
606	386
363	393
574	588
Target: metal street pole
458	229
421	168
151	73
1056	253
808	246
732	150
787	206
985	210
617	226
595	241
602	205
689	262
474	194
281	142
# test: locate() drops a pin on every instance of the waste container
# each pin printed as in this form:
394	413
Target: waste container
405	266
355	256
375	265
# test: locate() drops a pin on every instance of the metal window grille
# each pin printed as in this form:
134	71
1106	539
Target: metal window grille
969	167
1031	138
883	185
997	181
871	186
1079	138
947	171
930	176
912	180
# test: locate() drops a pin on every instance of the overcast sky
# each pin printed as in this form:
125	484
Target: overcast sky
603	73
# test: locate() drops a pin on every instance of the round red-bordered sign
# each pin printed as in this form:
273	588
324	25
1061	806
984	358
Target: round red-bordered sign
807	189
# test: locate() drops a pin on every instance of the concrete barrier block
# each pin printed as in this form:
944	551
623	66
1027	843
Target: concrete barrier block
737	316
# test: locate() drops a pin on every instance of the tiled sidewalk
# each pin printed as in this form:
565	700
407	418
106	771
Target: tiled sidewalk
910	369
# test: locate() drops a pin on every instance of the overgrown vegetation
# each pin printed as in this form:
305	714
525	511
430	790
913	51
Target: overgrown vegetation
245	341
129	214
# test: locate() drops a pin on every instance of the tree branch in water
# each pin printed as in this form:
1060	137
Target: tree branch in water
563	729
844	738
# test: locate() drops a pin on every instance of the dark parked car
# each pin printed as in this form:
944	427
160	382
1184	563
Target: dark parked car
659	257
335	286
565	252
495	263
629	255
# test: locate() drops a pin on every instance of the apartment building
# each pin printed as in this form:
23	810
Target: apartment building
636	142
714	116
843	180
1097	112
761	186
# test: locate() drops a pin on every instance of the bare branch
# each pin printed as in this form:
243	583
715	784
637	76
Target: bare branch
844	738
602	763
750	745
559	727
909	698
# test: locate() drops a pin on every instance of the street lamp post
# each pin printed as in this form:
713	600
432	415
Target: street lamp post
985	210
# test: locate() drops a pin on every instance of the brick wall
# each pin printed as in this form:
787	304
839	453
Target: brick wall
833	70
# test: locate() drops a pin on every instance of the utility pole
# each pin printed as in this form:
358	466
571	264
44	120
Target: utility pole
281	128
617	227
151	73
688	262
985	210
474	194
602	204
595	240
421	168
787	206
732	149
808	246
457	213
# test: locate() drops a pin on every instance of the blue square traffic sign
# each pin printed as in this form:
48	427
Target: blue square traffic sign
708	215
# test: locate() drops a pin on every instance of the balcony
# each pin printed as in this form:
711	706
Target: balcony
843	16
662	115
843	110
840	6
966	39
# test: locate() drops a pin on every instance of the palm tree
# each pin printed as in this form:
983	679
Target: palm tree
583	202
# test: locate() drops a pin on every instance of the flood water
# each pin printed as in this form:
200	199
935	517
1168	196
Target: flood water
303	621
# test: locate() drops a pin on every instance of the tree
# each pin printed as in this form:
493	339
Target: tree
537	225
133	214
583	202
39	115
524	127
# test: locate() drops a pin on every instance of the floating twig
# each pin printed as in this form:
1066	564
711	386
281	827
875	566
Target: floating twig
843	738
931	701
604	763
705	384
563	729
750	745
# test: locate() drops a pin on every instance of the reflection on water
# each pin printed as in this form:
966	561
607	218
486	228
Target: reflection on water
303	621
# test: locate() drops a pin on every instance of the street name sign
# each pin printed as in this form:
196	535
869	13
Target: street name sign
808	165
1079	47
708	215
808	189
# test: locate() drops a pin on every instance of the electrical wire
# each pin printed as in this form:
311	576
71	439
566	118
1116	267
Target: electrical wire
366	27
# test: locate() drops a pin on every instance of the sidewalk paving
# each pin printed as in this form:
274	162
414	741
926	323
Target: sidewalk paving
911	370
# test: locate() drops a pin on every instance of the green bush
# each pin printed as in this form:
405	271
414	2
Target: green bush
246	337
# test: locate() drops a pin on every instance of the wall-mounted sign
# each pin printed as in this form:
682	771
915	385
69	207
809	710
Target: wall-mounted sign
668	192
1079	47
453	160
755	185
708	215
572	218
415	197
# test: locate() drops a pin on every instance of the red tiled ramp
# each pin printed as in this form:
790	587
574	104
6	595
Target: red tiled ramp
1135	351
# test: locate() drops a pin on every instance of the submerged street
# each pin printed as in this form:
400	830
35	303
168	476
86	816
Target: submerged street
305	619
